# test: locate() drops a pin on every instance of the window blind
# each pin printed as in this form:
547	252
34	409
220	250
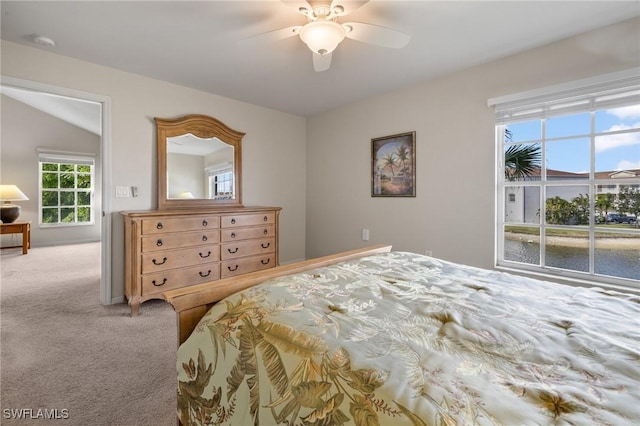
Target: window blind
619	89
66	157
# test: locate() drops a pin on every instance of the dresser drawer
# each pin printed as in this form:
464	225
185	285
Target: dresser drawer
247	248
176	278
177	240
179	224
248	219
232	234
170	259
245	265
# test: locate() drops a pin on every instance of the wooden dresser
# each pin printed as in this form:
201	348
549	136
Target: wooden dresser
169	249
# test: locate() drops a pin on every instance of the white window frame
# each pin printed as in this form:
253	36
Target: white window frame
59	157
586	95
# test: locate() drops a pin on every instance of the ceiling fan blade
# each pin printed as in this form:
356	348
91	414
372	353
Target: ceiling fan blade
272	36
321	62
348	5
374	34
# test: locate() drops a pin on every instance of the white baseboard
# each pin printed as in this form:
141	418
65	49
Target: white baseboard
292	261
63	243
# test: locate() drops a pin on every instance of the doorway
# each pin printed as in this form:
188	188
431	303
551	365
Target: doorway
96	114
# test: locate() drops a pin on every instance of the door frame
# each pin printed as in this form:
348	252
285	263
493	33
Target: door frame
105	158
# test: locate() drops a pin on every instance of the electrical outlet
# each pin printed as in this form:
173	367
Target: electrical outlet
428	252
365	234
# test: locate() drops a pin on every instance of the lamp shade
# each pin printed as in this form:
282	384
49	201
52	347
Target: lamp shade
11	193
322	37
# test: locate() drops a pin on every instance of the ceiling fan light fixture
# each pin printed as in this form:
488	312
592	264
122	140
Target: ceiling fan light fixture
322	37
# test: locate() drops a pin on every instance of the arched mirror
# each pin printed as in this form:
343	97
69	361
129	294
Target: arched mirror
199	163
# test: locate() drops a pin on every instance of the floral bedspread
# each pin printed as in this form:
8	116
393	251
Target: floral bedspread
404	339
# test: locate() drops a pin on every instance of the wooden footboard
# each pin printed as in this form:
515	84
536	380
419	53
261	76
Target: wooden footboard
192	303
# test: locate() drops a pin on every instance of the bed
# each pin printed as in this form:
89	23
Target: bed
380	337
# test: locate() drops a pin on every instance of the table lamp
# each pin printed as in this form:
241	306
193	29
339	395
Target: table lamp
10	212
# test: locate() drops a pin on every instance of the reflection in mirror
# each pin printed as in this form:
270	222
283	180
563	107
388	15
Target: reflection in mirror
199	168
199	163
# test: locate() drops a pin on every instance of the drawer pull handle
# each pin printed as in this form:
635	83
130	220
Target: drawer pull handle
234	269
159	242
233	235
265	232
164	259
159	225
233	221
234	251
205	238
158	285
265	247
205	223
205	275
265	263
205	256
266	219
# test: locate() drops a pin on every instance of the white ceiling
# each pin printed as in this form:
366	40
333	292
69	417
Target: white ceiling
199	44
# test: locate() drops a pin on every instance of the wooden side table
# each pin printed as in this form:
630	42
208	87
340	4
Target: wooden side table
23	228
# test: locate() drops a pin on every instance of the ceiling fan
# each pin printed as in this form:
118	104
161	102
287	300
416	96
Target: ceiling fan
323	33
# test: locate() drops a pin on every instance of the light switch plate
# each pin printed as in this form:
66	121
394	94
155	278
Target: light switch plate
122	192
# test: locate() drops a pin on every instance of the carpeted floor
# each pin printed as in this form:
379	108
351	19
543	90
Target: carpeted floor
64	352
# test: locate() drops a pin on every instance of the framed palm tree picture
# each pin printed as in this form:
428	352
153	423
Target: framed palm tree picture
393	165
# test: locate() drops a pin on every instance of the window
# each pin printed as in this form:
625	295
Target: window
220	182
568	178
66	189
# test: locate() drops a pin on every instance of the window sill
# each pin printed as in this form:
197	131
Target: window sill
614	284
64	225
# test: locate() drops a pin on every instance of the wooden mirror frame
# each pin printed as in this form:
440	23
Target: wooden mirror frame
204	127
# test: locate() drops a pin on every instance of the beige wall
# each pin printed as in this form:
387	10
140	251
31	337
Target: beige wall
185	171
273	148
453	212
23	130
